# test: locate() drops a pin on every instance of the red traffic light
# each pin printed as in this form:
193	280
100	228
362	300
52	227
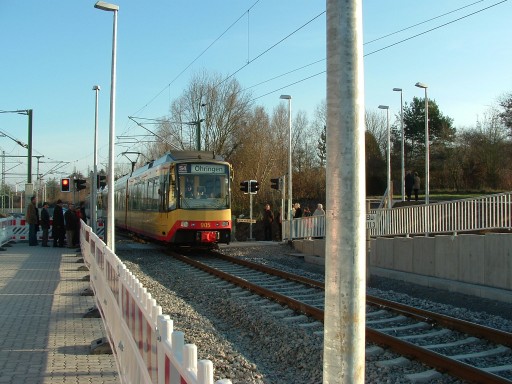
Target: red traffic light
65	184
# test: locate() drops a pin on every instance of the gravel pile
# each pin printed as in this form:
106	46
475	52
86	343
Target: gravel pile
245	342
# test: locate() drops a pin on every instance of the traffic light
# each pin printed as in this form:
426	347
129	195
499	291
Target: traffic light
254	187
101	182
275	183
79	184
64	184
244	186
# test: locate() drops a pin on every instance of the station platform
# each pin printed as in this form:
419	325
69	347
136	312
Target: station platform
44	336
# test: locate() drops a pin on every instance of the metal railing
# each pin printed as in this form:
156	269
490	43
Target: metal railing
492	212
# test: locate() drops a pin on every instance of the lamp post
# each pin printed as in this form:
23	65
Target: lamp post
110	175
427	149
29	187
94	185
290	195
390	192
402	164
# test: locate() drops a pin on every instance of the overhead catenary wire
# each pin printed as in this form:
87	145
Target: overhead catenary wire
381	49
251	61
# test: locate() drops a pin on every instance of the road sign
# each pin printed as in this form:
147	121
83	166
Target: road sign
246	220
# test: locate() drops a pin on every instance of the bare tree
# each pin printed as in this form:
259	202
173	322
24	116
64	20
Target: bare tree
376	124
214	108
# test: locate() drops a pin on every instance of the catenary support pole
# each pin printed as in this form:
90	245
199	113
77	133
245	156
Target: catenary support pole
344	328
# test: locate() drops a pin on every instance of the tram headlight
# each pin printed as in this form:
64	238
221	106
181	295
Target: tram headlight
225	223
184	224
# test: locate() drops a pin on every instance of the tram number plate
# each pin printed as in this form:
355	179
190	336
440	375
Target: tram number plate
371	219
246	220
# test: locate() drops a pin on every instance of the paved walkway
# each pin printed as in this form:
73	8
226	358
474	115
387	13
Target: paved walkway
44	337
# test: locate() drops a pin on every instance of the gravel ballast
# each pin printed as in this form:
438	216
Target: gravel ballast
247	344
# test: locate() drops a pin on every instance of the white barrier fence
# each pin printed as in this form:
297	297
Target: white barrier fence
145	345
467	215
18	230
6	230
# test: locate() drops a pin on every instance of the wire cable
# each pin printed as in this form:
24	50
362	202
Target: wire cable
381	49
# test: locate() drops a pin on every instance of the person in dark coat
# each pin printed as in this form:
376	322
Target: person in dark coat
45	224
416	185
58	230
32	219
409	183
70	223
298	211
268	219
76	233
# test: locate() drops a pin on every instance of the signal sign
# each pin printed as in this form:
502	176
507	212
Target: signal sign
79	184
64	184
254	187
244	186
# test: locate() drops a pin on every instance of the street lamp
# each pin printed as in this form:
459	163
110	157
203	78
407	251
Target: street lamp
290	208
427	149
110	175
94	186
390	192
29	113
403	140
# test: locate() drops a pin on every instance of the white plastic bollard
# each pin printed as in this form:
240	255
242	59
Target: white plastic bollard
178	340
205	372
164	329
190	357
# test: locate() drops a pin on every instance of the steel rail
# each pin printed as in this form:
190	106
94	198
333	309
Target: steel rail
488	333
435	360
296	305
492	334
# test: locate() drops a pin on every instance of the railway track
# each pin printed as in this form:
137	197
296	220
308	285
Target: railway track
471	352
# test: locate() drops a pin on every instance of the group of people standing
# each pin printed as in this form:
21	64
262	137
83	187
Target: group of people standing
412	183
298	212
65	228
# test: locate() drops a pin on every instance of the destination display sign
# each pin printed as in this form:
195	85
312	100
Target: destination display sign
204	169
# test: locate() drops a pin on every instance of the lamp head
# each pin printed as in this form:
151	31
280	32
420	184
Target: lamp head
106	6
96	88
383	106
397	89
286	97
421	85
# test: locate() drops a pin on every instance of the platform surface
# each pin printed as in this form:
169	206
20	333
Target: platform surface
44	337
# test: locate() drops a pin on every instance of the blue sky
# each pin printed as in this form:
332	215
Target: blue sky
53	52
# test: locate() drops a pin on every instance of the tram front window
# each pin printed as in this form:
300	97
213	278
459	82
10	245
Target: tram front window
204	191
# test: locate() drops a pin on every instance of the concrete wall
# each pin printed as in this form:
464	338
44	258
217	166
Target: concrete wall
474	264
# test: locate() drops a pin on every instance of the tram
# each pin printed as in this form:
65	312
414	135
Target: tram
182	198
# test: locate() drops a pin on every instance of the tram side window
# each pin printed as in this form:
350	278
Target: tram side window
172	192
152	195
136	196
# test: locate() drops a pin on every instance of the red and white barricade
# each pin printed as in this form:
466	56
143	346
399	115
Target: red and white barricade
145	346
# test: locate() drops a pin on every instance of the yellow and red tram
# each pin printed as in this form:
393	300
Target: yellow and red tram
183	198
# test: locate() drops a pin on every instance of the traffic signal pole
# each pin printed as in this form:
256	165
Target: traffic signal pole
250	217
